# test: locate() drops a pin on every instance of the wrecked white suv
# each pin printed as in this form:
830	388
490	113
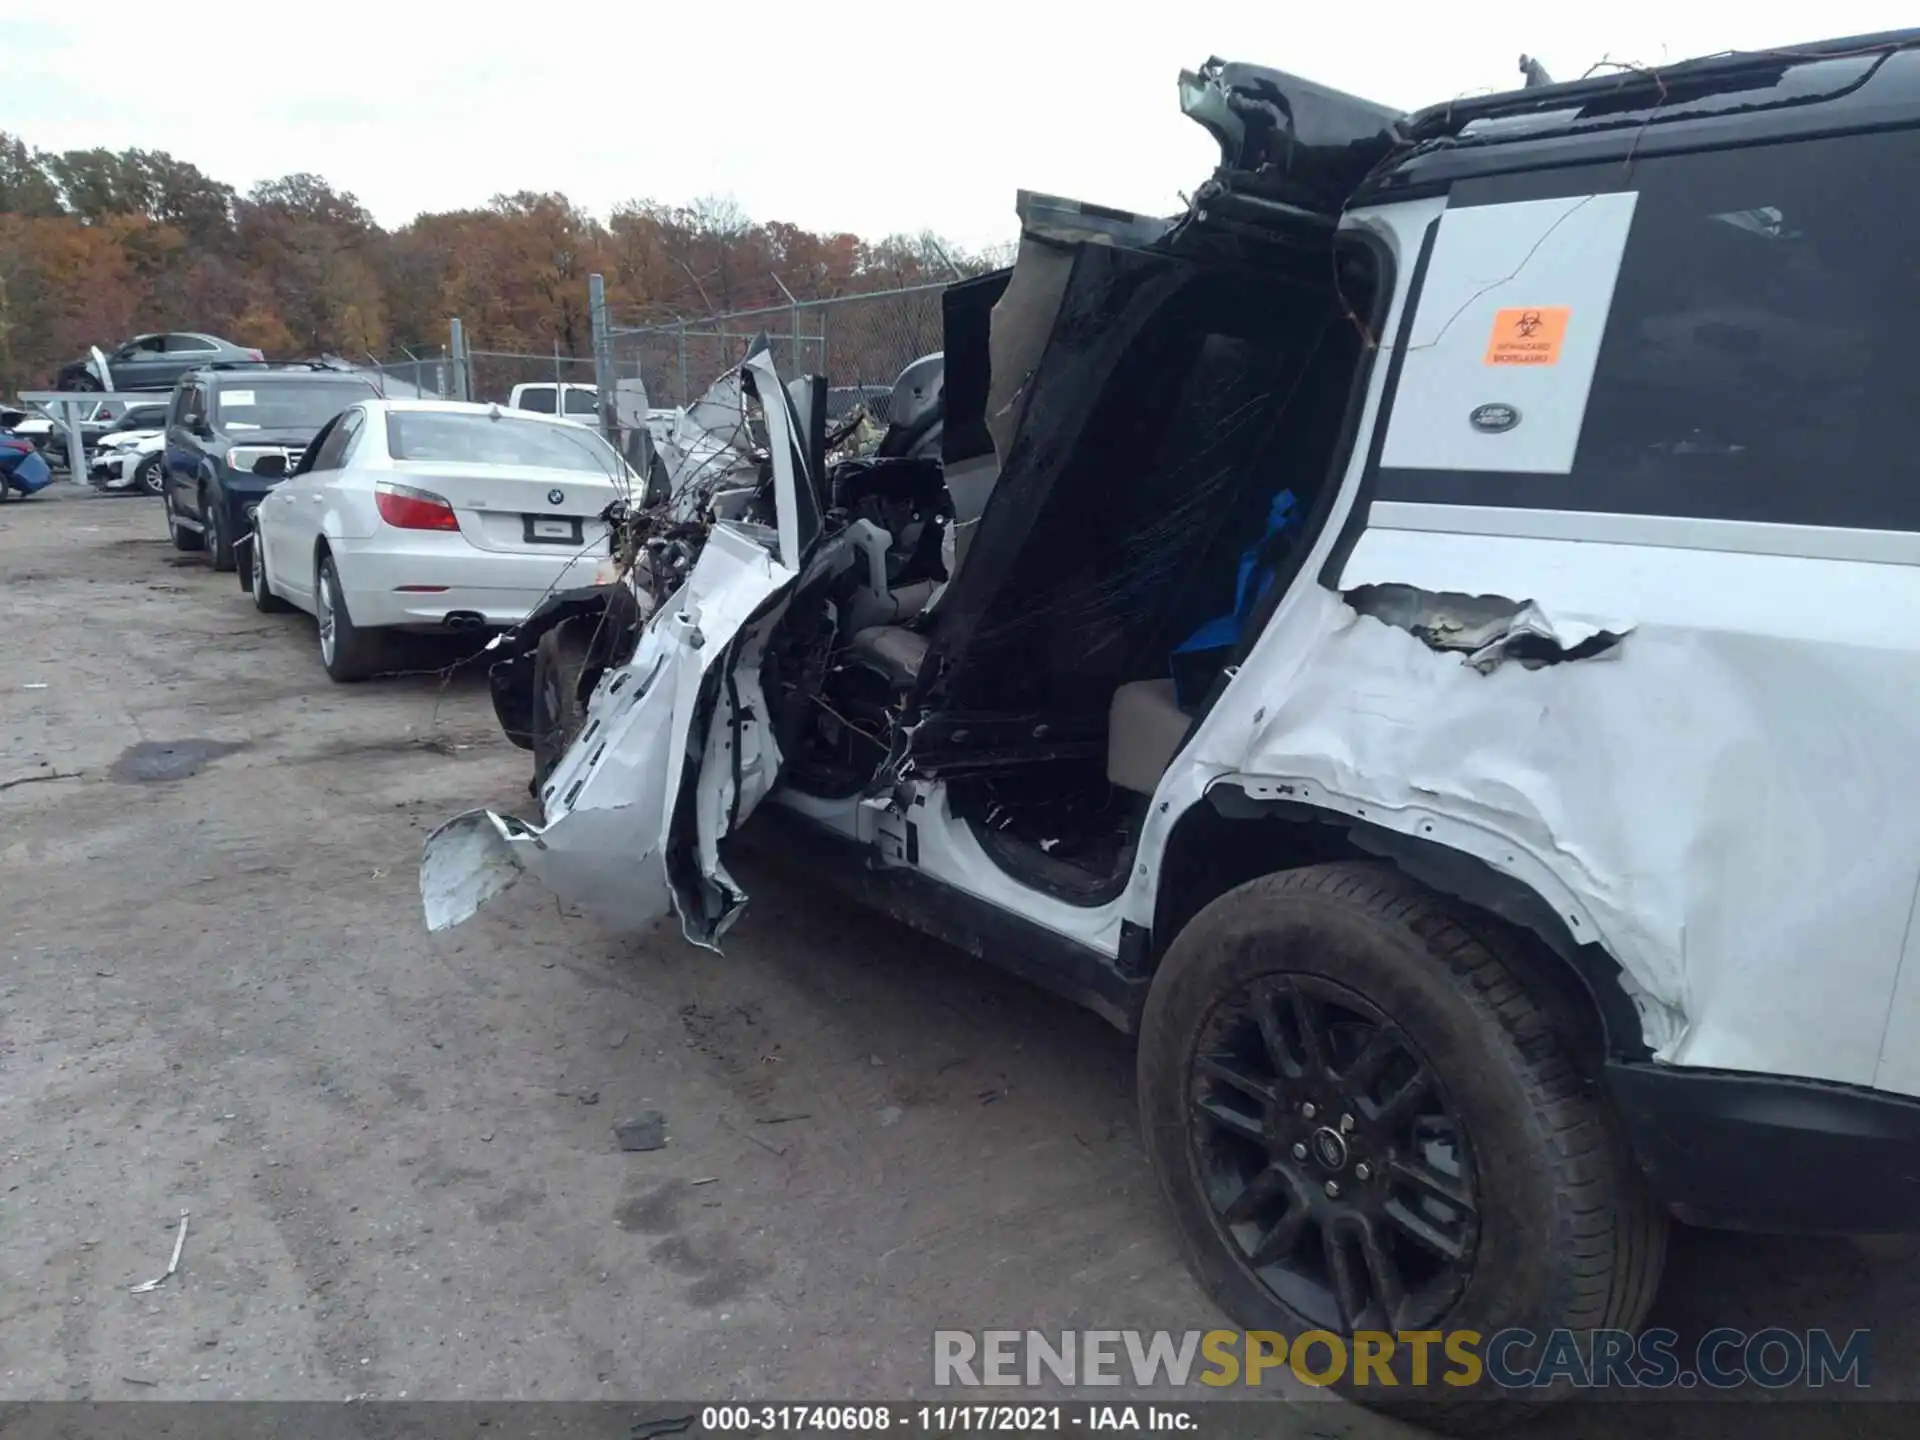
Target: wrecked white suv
1426	637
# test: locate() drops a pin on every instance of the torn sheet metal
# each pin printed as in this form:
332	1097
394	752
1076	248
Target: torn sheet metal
604	848
739	767
1285	137
611	838
1695	801
1487	629
708	452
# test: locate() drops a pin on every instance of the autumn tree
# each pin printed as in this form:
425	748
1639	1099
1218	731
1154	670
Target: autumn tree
97	245
25	186
314	247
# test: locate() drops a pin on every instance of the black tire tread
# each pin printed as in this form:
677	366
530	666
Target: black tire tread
568	645
185	541
358	654
219	555
1612	1234
267	603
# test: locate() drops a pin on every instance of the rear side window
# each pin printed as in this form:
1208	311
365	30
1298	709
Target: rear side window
539	401
476	438
1757	360
582	402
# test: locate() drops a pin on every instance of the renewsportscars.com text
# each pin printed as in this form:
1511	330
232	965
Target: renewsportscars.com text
1508	1359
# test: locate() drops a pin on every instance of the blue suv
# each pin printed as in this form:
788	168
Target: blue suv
233	432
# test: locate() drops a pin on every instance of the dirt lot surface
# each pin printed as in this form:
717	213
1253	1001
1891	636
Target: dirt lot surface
397	1150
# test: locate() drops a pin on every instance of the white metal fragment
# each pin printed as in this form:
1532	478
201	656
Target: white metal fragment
179	1244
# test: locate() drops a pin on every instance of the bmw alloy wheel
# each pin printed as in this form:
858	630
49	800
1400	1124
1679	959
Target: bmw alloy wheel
323	613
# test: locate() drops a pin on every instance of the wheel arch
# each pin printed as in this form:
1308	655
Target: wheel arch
1231	837
617	623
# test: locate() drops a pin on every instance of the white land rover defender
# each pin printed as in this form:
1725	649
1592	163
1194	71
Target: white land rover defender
1430	638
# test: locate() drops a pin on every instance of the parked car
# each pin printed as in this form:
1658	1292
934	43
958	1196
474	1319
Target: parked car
222	423
110	443
432	515
151	362
135	465
569	398
1435	659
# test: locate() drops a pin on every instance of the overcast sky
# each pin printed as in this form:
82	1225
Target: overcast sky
870	118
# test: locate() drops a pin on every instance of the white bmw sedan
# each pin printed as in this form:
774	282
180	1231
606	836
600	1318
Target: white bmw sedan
431	515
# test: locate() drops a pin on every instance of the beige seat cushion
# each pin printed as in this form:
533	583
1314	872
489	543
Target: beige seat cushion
1144	731
897	651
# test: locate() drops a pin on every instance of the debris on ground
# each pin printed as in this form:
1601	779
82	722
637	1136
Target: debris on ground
890	1115
179	1244
645	1131
782	1119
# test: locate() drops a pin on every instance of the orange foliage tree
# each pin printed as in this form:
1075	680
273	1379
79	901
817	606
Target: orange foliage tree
96	246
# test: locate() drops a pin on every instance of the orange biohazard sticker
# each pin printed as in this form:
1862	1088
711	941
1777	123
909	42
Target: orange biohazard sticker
1530	335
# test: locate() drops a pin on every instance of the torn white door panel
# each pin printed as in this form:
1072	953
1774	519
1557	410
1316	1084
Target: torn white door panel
1694	802
739	767
608	844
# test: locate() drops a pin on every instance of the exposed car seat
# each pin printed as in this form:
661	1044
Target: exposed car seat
894	650
915	414
1144	729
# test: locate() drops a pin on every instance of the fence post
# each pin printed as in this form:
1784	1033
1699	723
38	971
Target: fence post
457	346
680	348
602	353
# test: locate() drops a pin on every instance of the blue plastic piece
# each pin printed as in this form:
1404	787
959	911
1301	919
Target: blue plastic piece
24	470
1213	641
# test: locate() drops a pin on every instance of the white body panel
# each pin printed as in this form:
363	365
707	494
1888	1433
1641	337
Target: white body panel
1722	799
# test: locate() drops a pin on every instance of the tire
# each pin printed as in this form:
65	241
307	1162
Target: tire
147	478
347	652
558	712
215	541
184	540
1500	1195
264	600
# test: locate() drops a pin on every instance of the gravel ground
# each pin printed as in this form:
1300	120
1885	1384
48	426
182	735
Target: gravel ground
397	1150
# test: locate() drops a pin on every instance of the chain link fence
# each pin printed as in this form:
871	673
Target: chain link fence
431	374
853	340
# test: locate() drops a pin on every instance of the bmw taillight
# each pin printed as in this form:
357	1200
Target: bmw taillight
255	355
406	508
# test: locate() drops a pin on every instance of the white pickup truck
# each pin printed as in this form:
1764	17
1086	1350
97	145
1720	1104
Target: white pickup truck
570	399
